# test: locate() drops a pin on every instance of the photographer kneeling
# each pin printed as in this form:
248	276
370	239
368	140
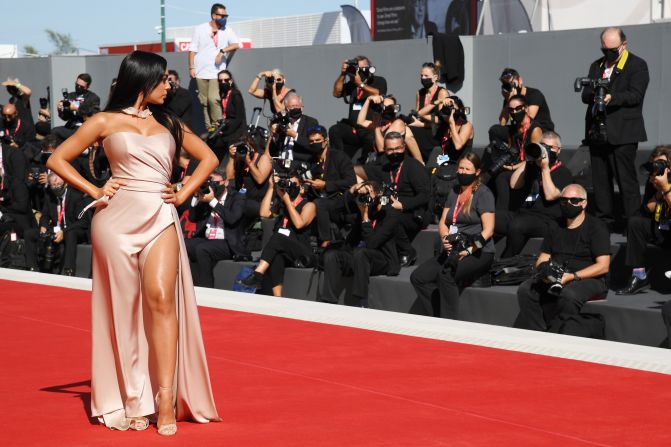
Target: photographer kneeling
654	224
289	246
217	212
572	266
466	228
540	181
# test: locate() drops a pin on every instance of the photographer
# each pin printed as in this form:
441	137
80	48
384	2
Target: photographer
15	212
385	118
411	187
19	96
540	181
454	132
233	117
275	89
362	83
653	224
425	100
289	137
573	262
289	246
217	212
537	107
373	254
60	224
613	154
68	107
466	228
337	176
250	169
179	100
15	131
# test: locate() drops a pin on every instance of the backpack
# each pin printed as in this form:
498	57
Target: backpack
514	270
442	182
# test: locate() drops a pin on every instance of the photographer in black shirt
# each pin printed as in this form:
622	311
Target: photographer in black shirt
337	176
68	107
217	211
179	99
411	185
19	96
466	228
454	133
572	266
15	212
540	181
653	225
362	82
233	117
425	101
537	107
15	131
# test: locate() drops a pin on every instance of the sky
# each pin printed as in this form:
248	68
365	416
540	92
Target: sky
92	22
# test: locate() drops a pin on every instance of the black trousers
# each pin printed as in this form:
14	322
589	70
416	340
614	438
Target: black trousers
616	162
328	208
519	228
31	237
433	276
205	253
344	137
362	263
280	252
541	311
642	230
666	315
71	238
408	227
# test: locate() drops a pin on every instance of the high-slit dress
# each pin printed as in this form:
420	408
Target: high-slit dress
123	231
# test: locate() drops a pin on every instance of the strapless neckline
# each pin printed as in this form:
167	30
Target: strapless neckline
136	133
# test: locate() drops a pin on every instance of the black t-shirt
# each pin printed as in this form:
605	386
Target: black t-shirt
470	223
358	96
411	181
535	97
532	190
520	141
578	247
180	103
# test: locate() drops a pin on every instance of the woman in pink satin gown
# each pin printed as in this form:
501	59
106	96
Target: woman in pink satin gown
147	352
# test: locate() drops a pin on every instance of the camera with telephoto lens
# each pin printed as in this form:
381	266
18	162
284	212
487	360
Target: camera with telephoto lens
551	273
66	100
536	151
598	132
205	187
364	72
282	120
222	124
410	117
283	169
445	112
656	168
34	175
500	155
44	103
47	250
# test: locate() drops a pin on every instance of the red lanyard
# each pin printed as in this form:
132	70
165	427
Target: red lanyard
359	93
457	208
215	38
520	145
61	211
224	103
398	175
286	218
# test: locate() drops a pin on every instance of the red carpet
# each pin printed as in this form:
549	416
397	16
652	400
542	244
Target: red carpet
281	382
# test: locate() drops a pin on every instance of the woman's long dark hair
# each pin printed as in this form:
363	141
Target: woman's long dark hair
140	72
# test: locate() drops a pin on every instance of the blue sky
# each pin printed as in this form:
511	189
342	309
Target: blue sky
93	22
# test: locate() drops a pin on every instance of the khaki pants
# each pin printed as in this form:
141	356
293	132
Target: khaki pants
208	96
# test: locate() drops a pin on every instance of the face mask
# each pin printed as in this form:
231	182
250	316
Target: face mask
293	191
465	179
58	190
279	85
569	211
427	82
389	113
396	158
552	156
315	149
79	89
221	23
295	114
517	117
224	87
611	54
218	190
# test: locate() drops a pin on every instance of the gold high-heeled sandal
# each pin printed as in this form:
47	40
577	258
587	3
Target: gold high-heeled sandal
138	423
165	429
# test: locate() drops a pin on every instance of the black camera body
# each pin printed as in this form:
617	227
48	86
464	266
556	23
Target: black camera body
598	132
48	251
44	103
66	99
282	120
459	242
364	72
6	137
205	187
410	117
501	154
242	149
552	272
536	151
657	168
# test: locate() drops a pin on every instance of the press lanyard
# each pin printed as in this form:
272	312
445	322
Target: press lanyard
60	210
457	208
398	175
224	103
359	93
520	145
215	38
286	218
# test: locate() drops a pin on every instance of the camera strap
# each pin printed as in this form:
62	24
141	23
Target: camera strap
296	202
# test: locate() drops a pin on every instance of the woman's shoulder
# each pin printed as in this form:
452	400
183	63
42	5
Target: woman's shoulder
484	192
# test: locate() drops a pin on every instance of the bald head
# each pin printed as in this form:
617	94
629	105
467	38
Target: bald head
574	190
9	109
612	37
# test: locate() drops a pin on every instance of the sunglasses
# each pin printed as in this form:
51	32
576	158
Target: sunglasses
571	200
515	109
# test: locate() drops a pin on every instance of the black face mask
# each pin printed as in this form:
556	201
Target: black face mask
465	179
293	191
427	82
224	87
278	86
518	117
218	190
389	113
58	190
611	54
395	159
295	114
79	89
552	156
569	211
315	149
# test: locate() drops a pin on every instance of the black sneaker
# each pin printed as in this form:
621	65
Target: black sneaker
252	281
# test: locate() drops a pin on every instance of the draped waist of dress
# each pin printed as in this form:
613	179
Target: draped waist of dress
144	185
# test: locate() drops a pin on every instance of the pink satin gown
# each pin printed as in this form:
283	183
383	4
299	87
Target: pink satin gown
123	372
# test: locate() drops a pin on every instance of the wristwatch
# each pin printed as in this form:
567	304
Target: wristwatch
576	277
362	85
